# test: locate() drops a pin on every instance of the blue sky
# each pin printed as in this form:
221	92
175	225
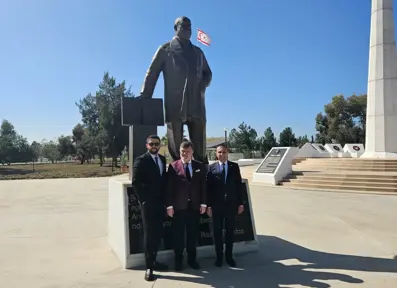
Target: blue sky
274	63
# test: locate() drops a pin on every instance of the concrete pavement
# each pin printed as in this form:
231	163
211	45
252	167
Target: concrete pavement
53	234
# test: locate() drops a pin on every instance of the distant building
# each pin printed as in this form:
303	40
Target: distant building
212	143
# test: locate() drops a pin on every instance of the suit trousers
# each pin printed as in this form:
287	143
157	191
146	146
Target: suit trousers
153	216
197	134
186	220
224	220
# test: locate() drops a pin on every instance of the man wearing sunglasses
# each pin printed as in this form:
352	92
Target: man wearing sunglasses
149	184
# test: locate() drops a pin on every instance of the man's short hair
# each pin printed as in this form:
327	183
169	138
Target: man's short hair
186	145
150	137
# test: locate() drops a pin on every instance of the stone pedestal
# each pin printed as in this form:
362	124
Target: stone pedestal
125	233
276	165
381	131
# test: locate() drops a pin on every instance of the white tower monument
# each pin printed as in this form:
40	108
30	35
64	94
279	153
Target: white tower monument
381	126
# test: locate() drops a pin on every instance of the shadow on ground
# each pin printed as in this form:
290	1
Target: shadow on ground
264	269
16	171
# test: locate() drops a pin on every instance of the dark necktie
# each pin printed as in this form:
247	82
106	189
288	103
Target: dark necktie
223	173
187	172
157	164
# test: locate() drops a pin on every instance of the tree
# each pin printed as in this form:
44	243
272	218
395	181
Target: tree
13	147
37	150
89	110
7	140
65	146
22	150
109	98
322	128
302	140
84	143
101	115
244	139
78	132
268	141
343	120
287	138
164	140
50	151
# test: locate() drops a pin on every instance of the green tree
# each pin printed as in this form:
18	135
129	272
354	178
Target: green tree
65	146
22	150
37	150
287	138
101	115
343	120
84	143
268	141
164	140
50	151
13	147
7	140
302	140
244	139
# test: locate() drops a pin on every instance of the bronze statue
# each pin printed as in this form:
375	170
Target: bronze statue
186	76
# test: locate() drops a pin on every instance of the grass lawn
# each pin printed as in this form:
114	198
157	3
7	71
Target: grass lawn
57	170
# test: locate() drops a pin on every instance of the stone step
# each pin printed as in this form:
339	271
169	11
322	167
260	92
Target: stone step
347	173
344	174
342	182
358	188
351	164
345	168
343	178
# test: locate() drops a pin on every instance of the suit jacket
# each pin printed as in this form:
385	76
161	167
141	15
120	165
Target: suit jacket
185	80
147	182
217	188
179	188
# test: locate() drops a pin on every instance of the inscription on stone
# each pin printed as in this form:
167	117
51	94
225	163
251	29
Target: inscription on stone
272	160
244	229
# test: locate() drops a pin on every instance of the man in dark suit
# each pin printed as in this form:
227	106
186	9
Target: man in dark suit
148	182
186	200
224	202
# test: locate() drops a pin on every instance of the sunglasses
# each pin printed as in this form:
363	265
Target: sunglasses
156	144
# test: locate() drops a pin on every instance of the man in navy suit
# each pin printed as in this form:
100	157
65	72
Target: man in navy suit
225	202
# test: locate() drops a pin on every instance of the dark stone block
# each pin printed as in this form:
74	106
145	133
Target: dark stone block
142	111
243	232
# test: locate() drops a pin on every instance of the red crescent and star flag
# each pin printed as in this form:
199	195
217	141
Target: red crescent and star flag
203	37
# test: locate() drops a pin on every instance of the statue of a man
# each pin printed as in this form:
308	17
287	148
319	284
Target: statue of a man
186	76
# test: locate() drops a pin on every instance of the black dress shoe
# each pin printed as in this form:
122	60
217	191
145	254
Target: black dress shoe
231	262
194	265
218	262
149	276
159	266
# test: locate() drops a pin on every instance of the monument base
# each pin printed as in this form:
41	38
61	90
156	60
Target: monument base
276	165
125	228
378	155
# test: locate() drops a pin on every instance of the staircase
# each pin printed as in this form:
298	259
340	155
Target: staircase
344	174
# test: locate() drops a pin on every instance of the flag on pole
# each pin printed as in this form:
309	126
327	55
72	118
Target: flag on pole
203	37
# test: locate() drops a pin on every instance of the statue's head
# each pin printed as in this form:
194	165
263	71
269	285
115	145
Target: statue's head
183	28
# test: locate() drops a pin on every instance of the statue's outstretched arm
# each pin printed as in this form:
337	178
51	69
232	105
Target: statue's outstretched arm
153	73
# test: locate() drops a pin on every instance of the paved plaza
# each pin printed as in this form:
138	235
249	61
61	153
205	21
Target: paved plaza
53	234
